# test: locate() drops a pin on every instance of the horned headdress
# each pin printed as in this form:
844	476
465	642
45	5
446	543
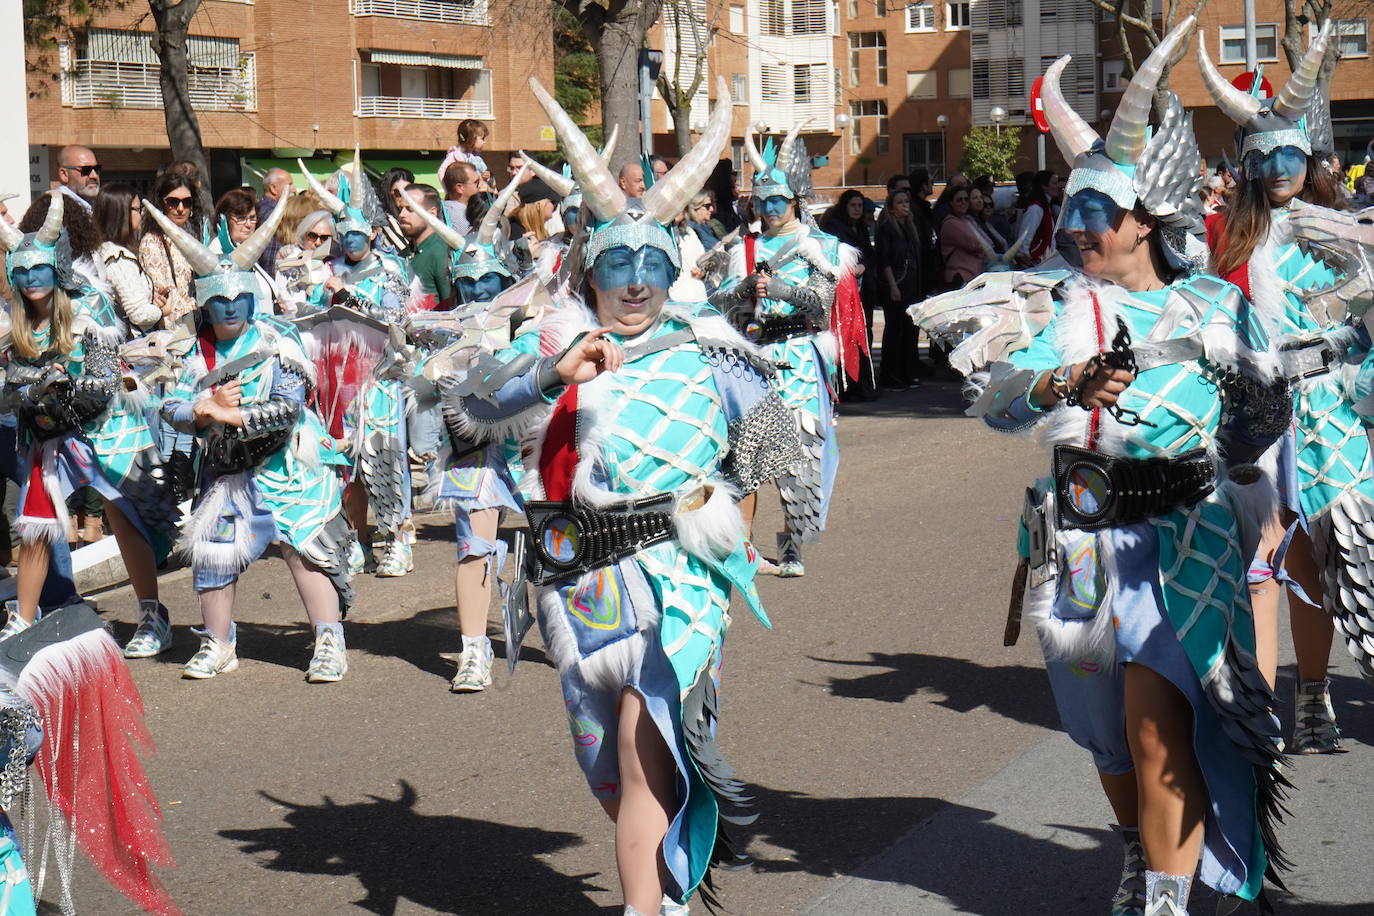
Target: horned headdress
1159	169
46	246
355	206
618	221
783	170
226	275
1290	118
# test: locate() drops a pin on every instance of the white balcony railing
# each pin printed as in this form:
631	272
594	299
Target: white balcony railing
461	12
117	84
387	106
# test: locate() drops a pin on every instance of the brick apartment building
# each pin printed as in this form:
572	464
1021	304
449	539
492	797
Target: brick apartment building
887	86
276	79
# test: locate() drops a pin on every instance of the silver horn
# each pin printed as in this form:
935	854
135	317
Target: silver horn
562	185
1130	129
667	198
250	249
1296	94
331	201
491	221
203	261
10	236
608	149
752	151
1073	135
786	151
452	237
51	229
1238	105
600	192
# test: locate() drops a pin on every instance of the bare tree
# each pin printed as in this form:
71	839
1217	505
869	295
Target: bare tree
173	21
691	35
1135	20
1298	14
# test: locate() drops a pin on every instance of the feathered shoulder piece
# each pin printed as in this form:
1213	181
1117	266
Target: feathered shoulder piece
994	316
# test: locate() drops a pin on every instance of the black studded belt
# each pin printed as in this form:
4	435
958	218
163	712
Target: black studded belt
1093	490
570	538
773	330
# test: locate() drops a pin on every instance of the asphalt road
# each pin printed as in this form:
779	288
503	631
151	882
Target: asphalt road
903	760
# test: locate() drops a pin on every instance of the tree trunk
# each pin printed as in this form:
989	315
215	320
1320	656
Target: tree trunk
617	34
682	129
173	21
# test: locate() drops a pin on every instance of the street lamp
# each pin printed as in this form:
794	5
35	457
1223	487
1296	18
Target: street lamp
842	122
998	115
943	122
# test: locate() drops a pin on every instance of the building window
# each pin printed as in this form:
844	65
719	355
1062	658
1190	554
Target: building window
959	83
957	14
774	15
922	84
810	83
924	151
920	16
874	111
853	8
739	89
406	84
862	41
1353	37
1266	43
784	18
880	8
1113	76
737	20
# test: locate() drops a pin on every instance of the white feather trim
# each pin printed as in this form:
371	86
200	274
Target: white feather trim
227	496
67	665
32	529
1076	639
713	531
607	668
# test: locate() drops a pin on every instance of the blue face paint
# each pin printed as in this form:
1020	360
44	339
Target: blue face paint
40	276
620	267
570	216
355	244
774	206
1090	211
230	311
1287	163
484	288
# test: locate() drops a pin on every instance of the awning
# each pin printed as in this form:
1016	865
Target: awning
136	48
426	170
422	59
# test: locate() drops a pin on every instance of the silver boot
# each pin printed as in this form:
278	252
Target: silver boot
1166	895
1130	894
1314	728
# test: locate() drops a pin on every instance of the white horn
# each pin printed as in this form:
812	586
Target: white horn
203	261
1238	105
246	254
452	237
1073	135
561	184
666	199
1130	129
51	229
335	205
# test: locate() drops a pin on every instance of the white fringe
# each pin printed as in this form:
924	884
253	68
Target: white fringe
32	529
713	531
608	668
227	496
1077	639
67	665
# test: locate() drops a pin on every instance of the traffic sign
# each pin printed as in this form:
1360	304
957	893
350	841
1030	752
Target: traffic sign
1037	106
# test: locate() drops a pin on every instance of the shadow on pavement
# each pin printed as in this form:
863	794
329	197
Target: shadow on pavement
445	863
1014	691
935	398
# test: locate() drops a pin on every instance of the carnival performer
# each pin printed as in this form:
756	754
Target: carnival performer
365	413
1137	547
81	424
645	424
1319	540
69	708
474	477
266	471
792	288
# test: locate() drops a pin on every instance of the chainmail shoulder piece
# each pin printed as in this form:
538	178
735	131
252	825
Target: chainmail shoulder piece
763	444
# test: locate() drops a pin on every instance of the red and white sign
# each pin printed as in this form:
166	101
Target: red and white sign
1037	106
1246	80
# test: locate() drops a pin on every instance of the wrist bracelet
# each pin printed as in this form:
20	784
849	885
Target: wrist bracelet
1059	383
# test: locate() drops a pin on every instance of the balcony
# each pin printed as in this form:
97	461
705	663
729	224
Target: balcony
123	84
457	12
388	106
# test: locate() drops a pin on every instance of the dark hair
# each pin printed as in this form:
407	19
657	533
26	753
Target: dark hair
839	210
457	173
185	168
427	196
470	129
112	211
985	186
947	193
389	178
174	180
1248	214
236	202
478	205
82	232
906	227
899	177
919	179
722	185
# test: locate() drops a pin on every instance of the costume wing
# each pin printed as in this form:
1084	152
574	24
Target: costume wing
1168	178
994	316
157	357
1345	241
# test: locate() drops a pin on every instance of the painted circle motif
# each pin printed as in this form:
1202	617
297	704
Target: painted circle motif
1089	490
560	538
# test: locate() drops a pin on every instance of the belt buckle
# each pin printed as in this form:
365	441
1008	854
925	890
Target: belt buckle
1085	494
1327	357
558	538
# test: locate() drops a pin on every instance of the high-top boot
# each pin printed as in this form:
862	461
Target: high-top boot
789	557
1314	729
1130	894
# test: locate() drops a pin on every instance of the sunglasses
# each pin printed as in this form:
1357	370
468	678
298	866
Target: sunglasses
250	219
317	238
86	171
176	203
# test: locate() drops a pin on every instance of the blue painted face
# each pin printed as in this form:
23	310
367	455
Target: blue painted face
1284	163
774	206
621	267
230	312
484	288
570	216
355	244
1090	211
40	278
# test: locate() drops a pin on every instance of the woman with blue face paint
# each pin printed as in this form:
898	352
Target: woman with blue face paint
266	462
1155	389
1322	466
643	420
782	289
474	477
365	413
81	424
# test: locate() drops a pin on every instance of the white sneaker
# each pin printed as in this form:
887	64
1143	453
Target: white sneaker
154	633
398	560
330	662
15	624
212	658
671	907
789	557
357	559
474	669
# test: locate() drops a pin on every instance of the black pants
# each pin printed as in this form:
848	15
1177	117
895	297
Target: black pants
899	363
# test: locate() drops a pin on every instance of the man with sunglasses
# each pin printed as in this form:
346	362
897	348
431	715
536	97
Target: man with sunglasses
79	174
